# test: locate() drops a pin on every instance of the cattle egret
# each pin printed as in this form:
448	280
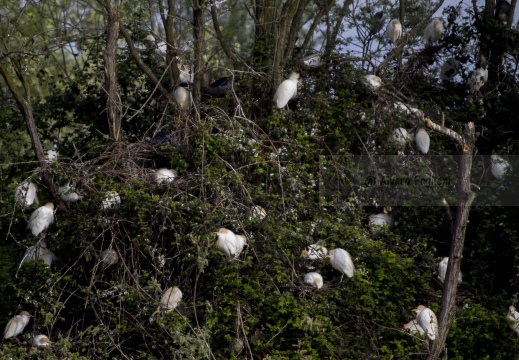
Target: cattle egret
41	218
186	74
394	31
314	279
286	91
433	31
26	194
400	136
426	318
450	69
52	154
41	341
257	213
241	242
314	252
413	327
16	325
377	23
374	81
442	270
499	166
160	46
229	243
68	194
164	176
170	299
479	76
182	96
423	141
112	200
502	10
39	252
109	257
379	220
512	319
341	260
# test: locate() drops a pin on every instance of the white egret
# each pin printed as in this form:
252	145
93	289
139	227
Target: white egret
68	194
241	242
16	325
164	176
183	96
394	31
512	319
400	136
314	252
377	23
26	194
433	31
109	257
286	91
39	252
442	270
257	213
52	154
423	141
41	341
499	166
413	327
170	299
41	218
426	318
186	73
112	200
314	279
379	220
341	260
229	243
373	81
479	76
160	46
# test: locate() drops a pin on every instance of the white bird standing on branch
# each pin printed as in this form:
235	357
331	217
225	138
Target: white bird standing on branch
182	96
41	341
229	243
341	260
423	141
442	270
286	91
16	325
41	218
400	136
39	252
374	81
164	176
512	319
314	252
433	32
394	31
314	279
26	194
426	318
170	299
185	73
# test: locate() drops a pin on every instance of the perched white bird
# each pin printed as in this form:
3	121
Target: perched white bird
341	260
512	319
479	76
400	136
52	154
39	252
257	213
41	218
426	318
112	200
433	31
170	299
379	220
311	61
160	46
423	141
374	81
229	243
186	73
499	166
314	279
449	69
394	31
164	176
68	194
241	242
16	325
41	341
314	252
109	257
183	96
413	327
26	194
442	270
286	91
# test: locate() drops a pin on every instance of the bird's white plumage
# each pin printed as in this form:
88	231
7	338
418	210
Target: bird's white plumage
286	90
413	327
26	194
314	252
182	97
241	241
170	299
39	252
314	279
433	32
512	319
112	200
379	220
16	325
499	166
41	341
400	136
426	318
442	270
477	79
41	218
52	154
109	257
394	31
257	213
68	193
423	141
374	81
164	176
185	73
341	260
230	244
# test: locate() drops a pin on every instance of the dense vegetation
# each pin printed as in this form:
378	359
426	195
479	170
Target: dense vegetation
234	150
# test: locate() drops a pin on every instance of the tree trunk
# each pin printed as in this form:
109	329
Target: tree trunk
198	35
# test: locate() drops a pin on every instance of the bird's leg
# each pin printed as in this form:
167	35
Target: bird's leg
341	278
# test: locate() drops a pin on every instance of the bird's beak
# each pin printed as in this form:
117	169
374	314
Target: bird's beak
415	310
215	232
327	256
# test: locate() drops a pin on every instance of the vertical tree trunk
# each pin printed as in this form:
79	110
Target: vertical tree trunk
199	37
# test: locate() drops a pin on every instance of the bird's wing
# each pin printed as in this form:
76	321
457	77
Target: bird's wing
347	264
285	91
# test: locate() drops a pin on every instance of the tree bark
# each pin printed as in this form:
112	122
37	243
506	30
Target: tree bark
199	42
